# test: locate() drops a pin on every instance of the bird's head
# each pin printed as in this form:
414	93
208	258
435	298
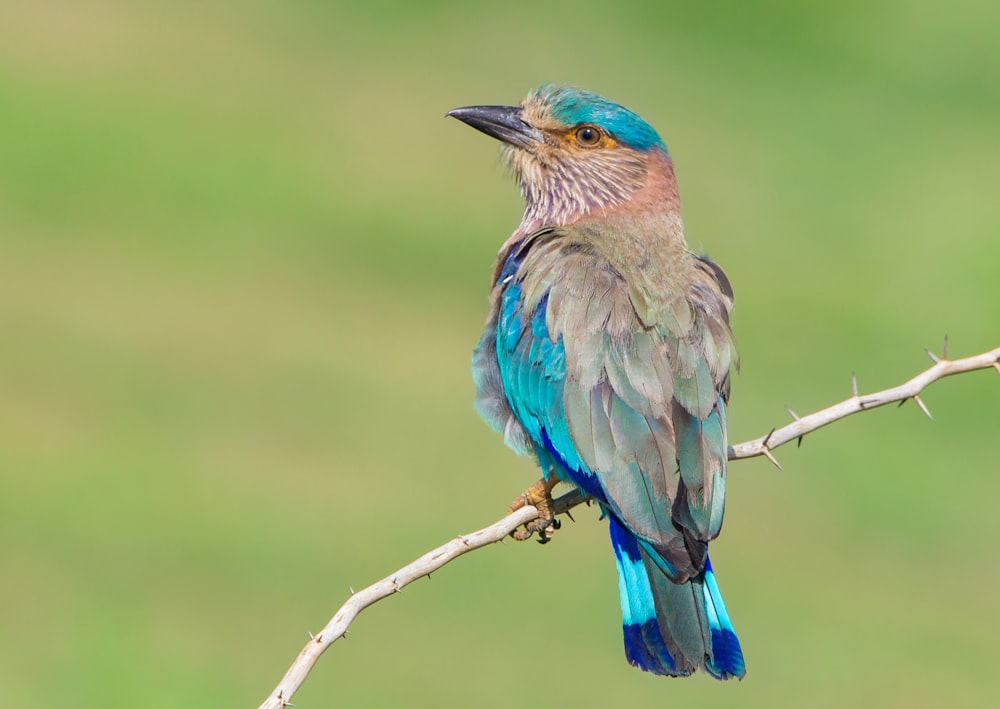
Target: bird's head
576	154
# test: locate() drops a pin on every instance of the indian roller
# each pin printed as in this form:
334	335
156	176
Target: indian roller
607	355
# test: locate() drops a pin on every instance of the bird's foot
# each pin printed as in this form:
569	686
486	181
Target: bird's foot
538	496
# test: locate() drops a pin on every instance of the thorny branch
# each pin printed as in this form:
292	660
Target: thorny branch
437	558
943	367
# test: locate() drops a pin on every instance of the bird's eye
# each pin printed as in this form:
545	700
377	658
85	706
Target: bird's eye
588	136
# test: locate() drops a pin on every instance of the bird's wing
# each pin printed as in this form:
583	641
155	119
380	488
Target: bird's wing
633	412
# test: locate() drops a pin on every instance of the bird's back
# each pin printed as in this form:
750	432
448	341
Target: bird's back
613	358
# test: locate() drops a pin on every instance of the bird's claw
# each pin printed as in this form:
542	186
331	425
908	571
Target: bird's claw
546	533
538	496
546	528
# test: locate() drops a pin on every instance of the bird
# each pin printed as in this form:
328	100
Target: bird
607	355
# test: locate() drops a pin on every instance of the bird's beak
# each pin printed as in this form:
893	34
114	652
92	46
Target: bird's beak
504	123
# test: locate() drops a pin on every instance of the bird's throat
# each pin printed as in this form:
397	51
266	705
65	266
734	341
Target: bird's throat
559	191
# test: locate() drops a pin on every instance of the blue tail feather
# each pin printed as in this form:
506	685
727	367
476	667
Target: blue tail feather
726	659
644	644
672	629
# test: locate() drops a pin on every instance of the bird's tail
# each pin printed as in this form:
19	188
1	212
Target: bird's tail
670	628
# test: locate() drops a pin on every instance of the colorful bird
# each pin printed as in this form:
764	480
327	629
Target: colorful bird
607	354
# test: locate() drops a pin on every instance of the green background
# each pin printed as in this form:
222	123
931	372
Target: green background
243	263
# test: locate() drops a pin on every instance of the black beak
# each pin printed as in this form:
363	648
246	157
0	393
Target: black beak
502	122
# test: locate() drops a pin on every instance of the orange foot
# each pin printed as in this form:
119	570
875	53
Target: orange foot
538	496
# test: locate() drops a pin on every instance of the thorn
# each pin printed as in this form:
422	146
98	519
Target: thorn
944	348
903	401
570	515
504	541
311	636
923	406
343	635
934	358
796	417
319	638
854	383
767	454
767	438
428	576
351	589
286	704
395	587
464	540
996	366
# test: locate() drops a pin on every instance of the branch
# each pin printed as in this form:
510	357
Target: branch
943	367
437	558
394	583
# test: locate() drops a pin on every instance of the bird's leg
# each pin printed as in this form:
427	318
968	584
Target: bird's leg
538	496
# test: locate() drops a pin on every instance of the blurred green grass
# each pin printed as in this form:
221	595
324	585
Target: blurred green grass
243	261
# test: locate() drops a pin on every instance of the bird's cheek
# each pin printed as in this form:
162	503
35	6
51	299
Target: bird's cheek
528	163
